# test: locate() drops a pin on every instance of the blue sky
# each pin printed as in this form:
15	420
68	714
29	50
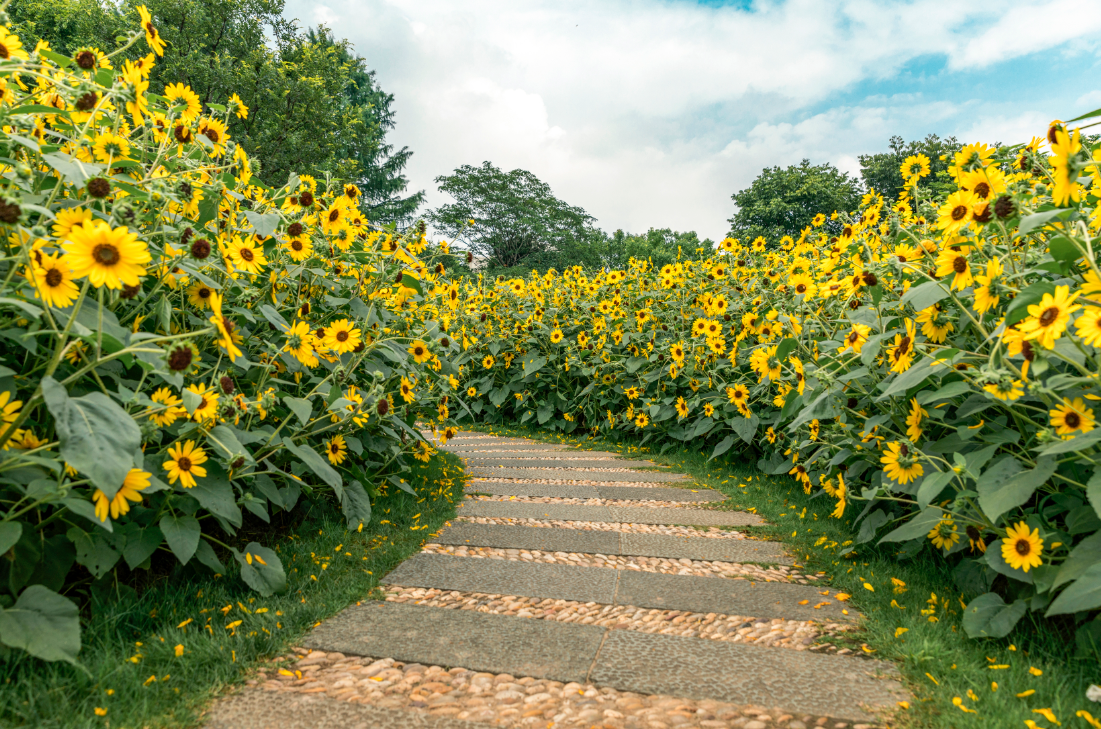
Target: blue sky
652	113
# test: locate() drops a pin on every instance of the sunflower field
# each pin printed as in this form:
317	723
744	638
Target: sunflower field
932	371
183	348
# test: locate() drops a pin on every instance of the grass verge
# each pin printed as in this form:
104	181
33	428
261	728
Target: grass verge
131	675
956	682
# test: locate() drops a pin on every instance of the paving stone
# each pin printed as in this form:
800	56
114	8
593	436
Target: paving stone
732	597
712	550
521	537
497	446
563	490
656	493
486	461
258	709
567	474
500	577
559	456
693	517
797	681
557	512
478	641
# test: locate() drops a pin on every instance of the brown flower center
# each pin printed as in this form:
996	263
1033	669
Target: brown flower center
183	463
105	254
959	264
297	245
334	448
54	278
342	336
334	216
959	213
212	134
1073	420
1023	547
982	190
4	52
1049	316
247	254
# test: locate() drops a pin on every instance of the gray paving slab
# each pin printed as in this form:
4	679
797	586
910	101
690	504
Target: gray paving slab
656	493
505	577
553	512
701	548
524	446
570	474
562	490
728	596
796	681
260	709
503	536
512	461
672	515
478	641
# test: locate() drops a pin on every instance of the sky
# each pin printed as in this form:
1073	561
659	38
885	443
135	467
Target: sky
652	113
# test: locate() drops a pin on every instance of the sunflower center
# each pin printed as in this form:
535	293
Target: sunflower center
342	336
959	264
86	60
204	293
183	463
800	288
1073	420
248	255
418	351
54	278
959	213
106	254
334	448
296	245
334	216
212	134
1050	315
982	190
4	52
1023	547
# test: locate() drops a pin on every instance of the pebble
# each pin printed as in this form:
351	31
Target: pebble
585	502
507	701
564	467
606	526
662	565
794	634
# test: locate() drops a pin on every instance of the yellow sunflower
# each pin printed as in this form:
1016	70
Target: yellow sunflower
216	134
420	352
899	464
1048	320
207	408
1072	417
108	257
53	280
913	421
109	147
184	464
135	482
172	408
945	534
246	256
199	295
152	37
336	450
1021	548
953	262
300	248
342	336
181	94
955	213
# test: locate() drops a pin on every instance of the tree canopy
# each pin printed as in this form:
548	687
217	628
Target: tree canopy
783	201
513	220
882	171
314	106
659	245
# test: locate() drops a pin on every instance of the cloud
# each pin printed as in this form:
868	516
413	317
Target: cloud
653	112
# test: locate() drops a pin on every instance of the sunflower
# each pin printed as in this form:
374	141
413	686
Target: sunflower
988	291
336	449
1006	389
682	408
737	394
53	280
913	421
299	248
198	294
172	408
899	464
300	344
342	336
803	285
945	534
208	402
181	94
841	493
1071	417
184	464
488	361
915	167
1048	320
9	409
582	340
69	218
855	339
215	132
1021	548
108	257
901	353
238	107
1064	149
955	214
953	262
407	392
1088	325
642	420
935	323
11	47
228	336
472	391
246	256
152	37
677	352
135	482
420	352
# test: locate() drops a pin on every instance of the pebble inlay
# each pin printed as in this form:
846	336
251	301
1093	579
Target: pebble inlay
605	526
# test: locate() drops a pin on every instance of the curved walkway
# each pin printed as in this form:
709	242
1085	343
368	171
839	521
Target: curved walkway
575	590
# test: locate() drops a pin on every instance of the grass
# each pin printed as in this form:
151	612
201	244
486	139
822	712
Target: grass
906	625
130	666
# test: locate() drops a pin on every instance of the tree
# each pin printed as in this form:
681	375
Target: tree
882	171
784	201
517	220
660	245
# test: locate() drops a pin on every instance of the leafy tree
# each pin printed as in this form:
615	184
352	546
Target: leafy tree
659	245
517	220
882	171
784	201
314	106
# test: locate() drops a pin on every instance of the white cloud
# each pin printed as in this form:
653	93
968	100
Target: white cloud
652	112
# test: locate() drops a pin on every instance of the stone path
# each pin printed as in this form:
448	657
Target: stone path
636	609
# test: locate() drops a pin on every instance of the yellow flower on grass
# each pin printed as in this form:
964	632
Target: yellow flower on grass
336	449
420	352
181	94
1072	417
111	257
172	410
342	336
899	464
135	482
1048	320
152	37
1021	548
52	277
184	464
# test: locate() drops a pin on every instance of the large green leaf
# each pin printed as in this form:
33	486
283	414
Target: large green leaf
141	543
93	551
931	486
919	526
301	408
925	295
1005	485
722	447
215	494
44	624
746	428
987	616
356	505
533	364
98	438
261	569
1084	555
10	531
318	465
182	534
1082	594
908	379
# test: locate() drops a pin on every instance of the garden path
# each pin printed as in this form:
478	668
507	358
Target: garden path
577	590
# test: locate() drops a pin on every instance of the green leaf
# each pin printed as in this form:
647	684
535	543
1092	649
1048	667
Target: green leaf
182	534
98	438
1037	220
1082	557
746	428
931	486
141	544
93	551
786	347
80	507
925	295
10	531
261	570
1063	249
356	505
1093	491
30	309
272	315
917	527
214	493
987	616
722	447
1018	308
908	379
317	464
952	389
42	623
546	412
74	171
263	223
411	282
1073	445
1005	485
533	364
301	408
1082	594
205	556
224	439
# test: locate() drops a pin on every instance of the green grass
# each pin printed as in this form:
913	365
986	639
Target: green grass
130	637
937	661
